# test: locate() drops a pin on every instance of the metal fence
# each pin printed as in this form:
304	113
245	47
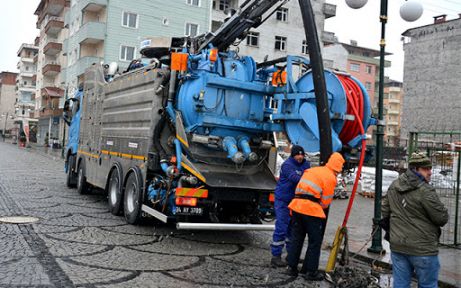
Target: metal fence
444	149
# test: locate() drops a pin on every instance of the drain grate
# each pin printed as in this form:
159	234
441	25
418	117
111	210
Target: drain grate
18	219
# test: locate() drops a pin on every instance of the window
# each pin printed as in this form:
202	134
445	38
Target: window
304	48
127	53
282	14
368	86
369	69
191	30
223	4
280	43
193	2
253	39
130	20
355	67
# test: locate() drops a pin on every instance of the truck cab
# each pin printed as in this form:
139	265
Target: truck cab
71	116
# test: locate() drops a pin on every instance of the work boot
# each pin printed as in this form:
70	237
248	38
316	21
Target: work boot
290	271
277	261
314	276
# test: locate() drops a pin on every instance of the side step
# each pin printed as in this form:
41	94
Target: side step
159	215
224	227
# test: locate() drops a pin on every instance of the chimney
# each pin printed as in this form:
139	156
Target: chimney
353	42
459	15
440	19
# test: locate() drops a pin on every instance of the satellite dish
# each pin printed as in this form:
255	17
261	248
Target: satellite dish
411	11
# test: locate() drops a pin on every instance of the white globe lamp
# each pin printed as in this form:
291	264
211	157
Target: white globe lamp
356	4
411	11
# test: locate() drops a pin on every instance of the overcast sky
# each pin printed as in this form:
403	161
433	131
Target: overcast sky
17	26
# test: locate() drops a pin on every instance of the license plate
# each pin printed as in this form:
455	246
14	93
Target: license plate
189	210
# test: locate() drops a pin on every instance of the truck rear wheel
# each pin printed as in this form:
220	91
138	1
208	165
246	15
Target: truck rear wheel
71	179
82	185
133	198
115	192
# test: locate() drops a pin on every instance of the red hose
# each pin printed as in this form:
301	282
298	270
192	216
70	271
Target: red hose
352	129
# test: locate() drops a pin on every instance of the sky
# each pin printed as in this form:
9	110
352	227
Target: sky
17	26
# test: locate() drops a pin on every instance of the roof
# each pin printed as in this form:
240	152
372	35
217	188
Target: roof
372	52
409	31
53	91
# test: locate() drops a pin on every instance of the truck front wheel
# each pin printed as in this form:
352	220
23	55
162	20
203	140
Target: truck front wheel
82	185
71	179
133	198
115	193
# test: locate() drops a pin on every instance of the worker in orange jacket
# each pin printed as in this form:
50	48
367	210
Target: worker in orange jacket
313	195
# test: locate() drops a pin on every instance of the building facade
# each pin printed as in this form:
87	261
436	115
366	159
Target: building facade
25	87
282	34
50	60
7	100
360	62
363	64
393	97
112	31
432	73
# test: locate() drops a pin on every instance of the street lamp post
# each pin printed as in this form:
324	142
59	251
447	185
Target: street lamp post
410	11
376	244
4	127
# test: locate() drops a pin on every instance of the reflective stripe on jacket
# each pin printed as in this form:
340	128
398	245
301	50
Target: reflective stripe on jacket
319	183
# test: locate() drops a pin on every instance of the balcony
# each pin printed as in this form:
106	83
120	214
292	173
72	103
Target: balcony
51	69
92	5
48	112
329	37
52	48
395	101
54	25
329	10
65	45
393	123
79	67
393	112
27	59
54	7
91	33
52	92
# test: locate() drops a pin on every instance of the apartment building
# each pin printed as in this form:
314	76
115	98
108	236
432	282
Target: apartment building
282	34
7	100
360	62
50	60
112	31
432	73
393	96
25	90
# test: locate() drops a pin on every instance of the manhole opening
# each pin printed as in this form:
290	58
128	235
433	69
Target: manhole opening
18	219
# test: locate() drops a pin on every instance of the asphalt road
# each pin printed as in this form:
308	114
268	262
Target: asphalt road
78	243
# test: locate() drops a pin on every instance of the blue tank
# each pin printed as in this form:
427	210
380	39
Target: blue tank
234	99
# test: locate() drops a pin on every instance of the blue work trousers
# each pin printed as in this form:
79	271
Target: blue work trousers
281	236
313	227
426	269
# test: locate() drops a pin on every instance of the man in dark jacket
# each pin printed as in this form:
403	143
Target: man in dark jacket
290	173
416	215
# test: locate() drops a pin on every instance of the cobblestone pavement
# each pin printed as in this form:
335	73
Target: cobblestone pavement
78	243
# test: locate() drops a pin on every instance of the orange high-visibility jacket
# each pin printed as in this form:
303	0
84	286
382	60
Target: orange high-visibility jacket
317	182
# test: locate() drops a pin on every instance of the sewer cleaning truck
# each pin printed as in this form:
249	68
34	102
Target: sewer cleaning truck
191	137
